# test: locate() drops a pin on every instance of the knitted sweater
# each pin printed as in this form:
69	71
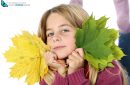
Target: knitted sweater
108	76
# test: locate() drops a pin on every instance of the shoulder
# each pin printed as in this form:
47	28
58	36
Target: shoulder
110	71
110	75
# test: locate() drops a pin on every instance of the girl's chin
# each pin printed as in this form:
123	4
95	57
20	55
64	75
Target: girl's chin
62	56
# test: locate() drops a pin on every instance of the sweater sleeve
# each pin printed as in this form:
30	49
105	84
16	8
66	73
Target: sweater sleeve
110	76
59	80
77	2
42	82
122	12
78	78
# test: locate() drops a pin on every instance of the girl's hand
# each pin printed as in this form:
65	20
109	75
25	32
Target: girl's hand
55	64
75	60
50	59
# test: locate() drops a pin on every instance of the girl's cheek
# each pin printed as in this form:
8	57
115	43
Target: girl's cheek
48	41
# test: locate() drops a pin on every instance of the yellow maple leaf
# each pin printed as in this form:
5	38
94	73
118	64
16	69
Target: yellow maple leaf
27	53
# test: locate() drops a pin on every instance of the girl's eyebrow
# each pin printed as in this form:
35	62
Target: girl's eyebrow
62	25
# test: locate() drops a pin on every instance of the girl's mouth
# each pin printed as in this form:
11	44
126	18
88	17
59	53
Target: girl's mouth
58	47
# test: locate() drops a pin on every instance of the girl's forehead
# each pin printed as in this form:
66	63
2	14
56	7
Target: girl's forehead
56	17
56	20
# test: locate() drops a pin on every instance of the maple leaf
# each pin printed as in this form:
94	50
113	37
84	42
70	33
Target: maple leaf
27	54
98	42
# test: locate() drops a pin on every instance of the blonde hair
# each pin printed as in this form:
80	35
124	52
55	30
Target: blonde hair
75	15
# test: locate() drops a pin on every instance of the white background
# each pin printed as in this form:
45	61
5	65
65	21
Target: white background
14	19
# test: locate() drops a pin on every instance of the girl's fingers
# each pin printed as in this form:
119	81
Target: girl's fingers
75	56
55	64
50	58
62	62
52	55
80	51
68	61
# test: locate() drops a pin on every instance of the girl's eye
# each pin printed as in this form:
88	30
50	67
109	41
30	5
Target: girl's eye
65	30
50	34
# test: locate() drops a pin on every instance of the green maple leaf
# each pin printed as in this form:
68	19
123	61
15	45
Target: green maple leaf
98	42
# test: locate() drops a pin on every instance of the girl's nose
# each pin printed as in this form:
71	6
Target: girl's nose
56	38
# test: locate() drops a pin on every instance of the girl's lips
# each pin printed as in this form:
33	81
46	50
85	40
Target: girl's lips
58	47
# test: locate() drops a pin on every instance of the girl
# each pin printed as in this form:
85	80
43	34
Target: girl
65	61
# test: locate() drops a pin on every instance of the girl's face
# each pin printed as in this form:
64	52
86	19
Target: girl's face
60	35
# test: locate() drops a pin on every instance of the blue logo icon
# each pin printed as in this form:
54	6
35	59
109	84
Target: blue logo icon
3	4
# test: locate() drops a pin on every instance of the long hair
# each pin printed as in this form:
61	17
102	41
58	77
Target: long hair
75	15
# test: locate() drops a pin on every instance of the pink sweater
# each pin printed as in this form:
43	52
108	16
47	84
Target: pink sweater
109	76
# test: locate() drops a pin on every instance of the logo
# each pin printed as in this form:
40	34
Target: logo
7	4
3	4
